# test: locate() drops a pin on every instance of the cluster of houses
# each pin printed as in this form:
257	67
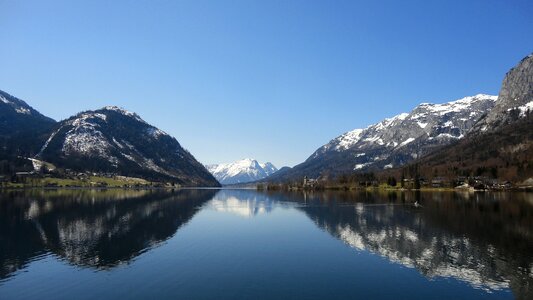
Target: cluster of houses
477	183
473	183
309	183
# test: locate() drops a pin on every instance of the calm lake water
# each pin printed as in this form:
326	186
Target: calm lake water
243	244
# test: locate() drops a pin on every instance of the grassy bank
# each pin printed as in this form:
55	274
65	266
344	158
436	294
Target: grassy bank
89	182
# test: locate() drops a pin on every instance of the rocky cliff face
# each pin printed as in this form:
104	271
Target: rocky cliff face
515	97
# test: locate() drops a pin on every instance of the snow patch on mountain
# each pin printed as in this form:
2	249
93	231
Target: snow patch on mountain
85	138
407	141
360	166
22	110
348	139
18	105
156	133
85	141
123	111
457	105
3	99
524	109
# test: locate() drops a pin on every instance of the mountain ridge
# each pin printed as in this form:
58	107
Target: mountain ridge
501	143
394	141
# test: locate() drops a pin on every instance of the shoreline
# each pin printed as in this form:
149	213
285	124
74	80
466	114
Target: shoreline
376	189
322	189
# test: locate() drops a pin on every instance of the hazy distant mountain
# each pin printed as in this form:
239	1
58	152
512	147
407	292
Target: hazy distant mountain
114	140
22	129
269	168
241	171
395	141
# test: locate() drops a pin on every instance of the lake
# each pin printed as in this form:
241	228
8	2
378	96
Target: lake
245	244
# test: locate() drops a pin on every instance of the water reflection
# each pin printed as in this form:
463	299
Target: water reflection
483	239
99	229
244	203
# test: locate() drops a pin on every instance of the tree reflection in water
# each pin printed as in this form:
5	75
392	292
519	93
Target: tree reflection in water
483	239
99	229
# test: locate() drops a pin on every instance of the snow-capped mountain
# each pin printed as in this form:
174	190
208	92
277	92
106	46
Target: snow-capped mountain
397	140
500	144
427	121
241	171
269	168
115	140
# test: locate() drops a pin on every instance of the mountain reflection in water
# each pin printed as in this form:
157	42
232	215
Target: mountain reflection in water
244	203
99	229
485	240
482	239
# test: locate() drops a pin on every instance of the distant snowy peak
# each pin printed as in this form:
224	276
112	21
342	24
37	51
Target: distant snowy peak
269	168
241	171
427	124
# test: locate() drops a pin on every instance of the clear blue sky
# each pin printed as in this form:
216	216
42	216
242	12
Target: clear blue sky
271	80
